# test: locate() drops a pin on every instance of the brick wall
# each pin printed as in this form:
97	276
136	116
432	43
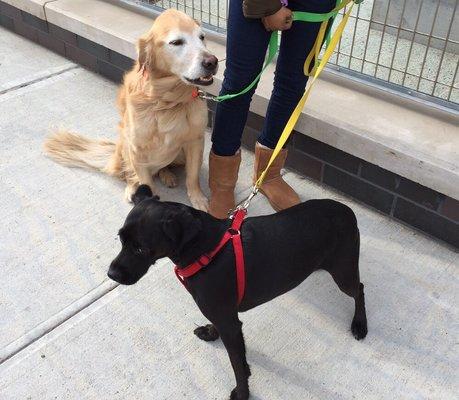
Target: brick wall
78	49
391	194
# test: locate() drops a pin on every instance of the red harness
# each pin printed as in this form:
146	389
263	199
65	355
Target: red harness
233	233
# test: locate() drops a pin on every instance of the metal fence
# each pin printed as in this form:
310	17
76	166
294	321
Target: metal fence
407	45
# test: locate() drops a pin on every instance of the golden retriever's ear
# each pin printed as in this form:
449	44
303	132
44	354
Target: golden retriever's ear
142	50
145	52
197	22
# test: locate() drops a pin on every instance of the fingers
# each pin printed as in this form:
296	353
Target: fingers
266	24
280	21
281	27
288	19
287	25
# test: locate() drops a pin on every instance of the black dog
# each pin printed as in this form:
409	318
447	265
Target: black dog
280	252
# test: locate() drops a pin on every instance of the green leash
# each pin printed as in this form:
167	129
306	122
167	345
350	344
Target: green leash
272	50
274	42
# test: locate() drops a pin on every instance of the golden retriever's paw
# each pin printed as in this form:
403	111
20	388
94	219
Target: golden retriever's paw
168	178
199	201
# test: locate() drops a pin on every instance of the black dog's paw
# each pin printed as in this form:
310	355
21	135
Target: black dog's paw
207	333
359	329
237	396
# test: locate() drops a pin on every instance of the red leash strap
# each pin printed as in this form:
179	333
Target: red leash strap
234	234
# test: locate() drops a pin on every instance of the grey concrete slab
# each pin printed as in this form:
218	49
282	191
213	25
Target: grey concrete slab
179	193
45	209
22	61
59	224
137	342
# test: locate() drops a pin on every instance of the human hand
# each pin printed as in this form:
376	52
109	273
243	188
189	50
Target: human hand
280	21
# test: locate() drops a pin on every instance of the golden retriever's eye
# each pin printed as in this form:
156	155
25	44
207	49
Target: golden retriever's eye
201	36
177	42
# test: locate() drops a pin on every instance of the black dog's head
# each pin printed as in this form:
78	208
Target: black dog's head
152	230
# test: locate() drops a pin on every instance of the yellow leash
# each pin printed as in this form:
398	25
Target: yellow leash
299	107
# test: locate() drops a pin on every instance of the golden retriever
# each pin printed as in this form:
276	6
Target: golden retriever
162	119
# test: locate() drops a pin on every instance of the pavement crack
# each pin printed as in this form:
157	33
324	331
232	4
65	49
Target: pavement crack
40	79
46	327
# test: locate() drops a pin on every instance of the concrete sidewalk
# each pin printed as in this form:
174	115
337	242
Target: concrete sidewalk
67	332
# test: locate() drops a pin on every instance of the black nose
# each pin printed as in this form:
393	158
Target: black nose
114	275
210	62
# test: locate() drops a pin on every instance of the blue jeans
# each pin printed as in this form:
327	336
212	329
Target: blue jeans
247	42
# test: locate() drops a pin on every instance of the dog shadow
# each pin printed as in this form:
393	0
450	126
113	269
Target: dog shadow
288	377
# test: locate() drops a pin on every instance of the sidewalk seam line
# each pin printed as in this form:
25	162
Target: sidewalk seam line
43	78
18	348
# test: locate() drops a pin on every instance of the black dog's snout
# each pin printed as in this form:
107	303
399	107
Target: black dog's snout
122	276
210	62
114	275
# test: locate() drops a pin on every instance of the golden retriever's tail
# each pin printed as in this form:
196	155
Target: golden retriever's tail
73	150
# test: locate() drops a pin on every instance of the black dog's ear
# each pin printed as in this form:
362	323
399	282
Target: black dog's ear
180	227
143	192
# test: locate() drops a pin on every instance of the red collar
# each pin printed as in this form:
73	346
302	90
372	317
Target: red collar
195	93
233	233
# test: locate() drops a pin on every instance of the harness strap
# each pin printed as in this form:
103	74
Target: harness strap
233	233
240	267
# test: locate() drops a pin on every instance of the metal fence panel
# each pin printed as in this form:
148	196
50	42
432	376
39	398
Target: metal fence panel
410	45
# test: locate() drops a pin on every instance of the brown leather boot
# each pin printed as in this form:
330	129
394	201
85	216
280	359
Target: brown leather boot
223	171
279	194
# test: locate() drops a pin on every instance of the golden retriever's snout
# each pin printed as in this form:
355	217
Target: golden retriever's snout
210	63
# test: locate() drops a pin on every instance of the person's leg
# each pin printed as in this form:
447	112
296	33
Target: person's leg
289	85
246	45
289	80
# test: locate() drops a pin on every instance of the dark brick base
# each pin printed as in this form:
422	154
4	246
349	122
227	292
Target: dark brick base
396	196
405	200
77	48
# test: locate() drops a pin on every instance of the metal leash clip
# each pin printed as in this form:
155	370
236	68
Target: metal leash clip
244	204
203	95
